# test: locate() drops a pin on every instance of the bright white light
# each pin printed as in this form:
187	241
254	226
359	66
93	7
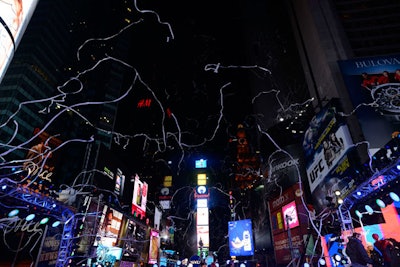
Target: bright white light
337	257
56	223
322	261
13	213
306	264
242	265
394	196
30	217
369	209
380	203
358	213
44	220
337	192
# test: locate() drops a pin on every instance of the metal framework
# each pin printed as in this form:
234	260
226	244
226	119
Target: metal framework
13	192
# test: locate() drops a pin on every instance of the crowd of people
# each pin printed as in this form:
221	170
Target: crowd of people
383	252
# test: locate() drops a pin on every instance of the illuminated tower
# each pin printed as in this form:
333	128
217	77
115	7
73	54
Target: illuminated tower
202	220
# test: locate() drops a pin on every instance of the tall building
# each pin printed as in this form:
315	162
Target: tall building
327	32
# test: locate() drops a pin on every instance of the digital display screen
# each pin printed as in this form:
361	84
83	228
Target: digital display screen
200	164
290	215
240	238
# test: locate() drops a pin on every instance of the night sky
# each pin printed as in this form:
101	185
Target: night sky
170	44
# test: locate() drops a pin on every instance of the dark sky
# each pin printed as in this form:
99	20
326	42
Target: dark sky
170	43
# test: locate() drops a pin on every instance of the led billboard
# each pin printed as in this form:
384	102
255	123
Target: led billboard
15	16
290	215
110	226
139	199
240	238
154	246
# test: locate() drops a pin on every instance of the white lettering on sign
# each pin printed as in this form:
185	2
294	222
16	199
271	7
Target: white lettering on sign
16	224
33	169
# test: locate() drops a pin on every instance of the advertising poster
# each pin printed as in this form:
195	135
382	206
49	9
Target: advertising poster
15	17
139	199
327	144
51	244
203	234
288	204
290	216
154	247
110	226
202	216
373	84
241	238
119	182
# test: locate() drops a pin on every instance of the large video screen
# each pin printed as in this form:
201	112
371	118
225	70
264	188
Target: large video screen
110	226
240	238
139	199
15	17
290	216
386	225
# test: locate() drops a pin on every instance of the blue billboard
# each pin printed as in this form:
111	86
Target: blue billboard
240	238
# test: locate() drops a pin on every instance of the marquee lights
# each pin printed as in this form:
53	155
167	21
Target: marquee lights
30	217
44	220
13	213
56	223
394	196
380	203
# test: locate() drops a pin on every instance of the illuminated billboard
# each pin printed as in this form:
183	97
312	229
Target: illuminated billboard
139	199
202	216
154	246
290	215
110	226
374	80
119	182
203	234
15	16
201	164
240	238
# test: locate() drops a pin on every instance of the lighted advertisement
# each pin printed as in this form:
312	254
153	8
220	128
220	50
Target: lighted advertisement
119	182
15	16
386	225
108	256
289	203
201	164
202	216
41	161
50	247
202	203
277	223
380	120
154	246
289	212
240	238
203	234
139	199
327	144
110	226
